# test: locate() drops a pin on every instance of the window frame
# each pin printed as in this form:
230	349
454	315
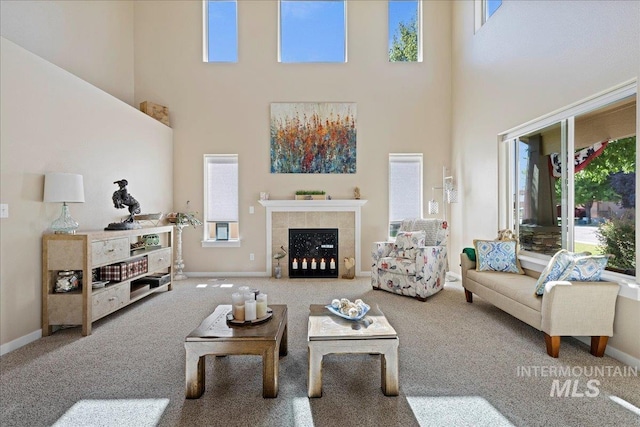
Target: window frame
233	227
405	157
507	159
205	33
419	23
481	13
279	41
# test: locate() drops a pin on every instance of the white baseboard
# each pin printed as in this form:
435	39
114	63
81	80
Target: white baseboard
226	274
625	358
454	277
247	274
19	342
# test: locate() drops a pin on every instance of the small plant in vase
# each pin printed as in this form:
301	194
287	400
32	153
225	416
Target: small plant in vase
310	195
184	219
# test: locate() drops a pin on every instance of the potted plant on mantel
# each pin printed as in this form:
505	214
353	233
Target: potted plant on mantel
182	220
310	195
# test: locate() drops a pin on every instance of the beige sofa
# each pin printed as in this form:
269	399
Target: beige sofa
565	309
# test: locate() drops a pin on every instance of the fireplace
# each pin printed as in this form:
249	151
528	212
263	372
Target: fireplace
281	215
313	252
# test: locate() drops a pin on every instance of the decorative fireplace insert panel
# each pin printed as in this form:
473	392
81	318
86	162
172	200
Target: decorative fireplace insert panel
313	252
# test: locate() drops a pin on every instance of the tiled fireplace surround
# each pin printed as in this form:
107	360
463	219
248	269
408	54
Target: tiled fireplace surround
341	214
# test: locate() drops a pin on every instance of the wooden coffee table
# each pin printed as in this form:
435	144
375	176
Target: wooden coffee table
215	337
329	333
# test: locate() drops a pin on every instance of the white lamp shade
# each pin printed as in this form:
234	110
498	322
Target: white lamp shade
63	188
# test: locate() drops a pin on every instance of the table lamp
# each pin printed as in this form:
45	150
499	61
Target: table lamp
63	188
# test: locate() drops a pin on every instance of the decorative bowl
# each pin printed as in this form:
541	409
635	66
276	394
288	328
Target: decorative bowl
344	316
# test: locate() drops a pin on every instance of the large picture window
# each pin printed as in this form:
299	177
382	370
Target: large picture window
571	181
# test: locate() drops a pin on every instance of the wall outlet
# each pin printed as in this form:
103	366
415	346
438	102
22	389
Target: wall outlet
4	210
252	257
251	209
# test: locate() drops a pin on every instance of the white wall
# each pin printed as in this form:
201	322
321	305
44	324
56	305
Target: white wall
224	108
52	121
91	39
531	58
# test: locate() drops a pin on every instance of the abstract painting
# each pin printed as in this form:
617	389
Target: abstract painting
313	137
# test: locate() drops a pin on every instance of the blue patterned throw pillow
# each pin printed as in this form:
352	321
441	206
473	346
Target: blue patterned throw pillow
557	267
586	268
497	255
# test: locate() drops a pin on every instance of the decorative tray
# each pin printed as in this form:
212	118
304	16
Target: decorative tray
99	284
344	316
233	322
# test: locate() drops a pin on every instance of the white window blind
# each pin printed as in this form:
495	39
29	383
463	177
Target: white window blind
405	186
221	188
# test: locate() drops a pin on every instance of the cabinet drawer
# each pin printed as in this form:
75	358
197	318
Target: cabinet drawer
109	251
159	259
110	300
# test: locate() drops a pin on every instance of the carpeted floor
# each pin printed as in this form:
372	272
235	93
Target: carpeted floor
460	365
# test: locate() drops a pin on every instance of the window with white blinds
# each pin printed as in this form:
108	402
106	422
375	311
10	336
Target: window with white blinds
221	193
405	188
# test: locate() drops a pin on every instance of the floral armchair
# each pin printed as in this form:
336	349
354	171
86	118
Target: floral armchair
416	263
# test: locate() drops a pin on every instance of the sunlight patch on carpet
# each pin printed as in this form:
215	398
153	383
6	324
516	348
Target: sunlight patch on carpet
302	412
114	413
201	285
456	411
626	404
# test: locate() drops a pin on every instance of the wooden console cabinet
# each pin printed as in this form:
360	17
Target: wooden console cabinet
91	250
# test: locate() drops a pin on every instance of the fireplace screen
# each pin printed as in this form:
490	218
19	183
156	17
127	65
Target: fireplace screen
313	252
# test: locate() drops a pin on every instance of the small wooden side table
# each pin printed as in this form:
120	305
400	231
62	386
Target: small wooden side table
328	333
215	337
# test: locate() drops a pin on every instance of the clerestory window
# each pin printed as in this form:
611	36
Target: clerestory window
220	31
405	29
312	31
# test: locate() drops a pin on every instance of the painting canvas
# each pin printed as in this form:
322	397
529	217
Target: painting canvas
313	137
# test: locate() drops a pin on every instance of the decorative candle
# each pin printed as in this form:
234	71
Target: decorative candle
313	264
304	263
332	264
237	298
294	264
243	289
323	264
261	305
249	296
250	310
238	312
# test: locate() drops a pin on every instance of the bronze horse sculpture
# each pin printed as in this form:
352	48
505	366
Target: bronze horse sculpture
121	199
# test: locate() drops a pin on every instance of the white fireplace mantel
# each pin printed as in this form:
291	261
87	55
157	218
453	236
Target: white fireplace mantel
317	205
313	206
